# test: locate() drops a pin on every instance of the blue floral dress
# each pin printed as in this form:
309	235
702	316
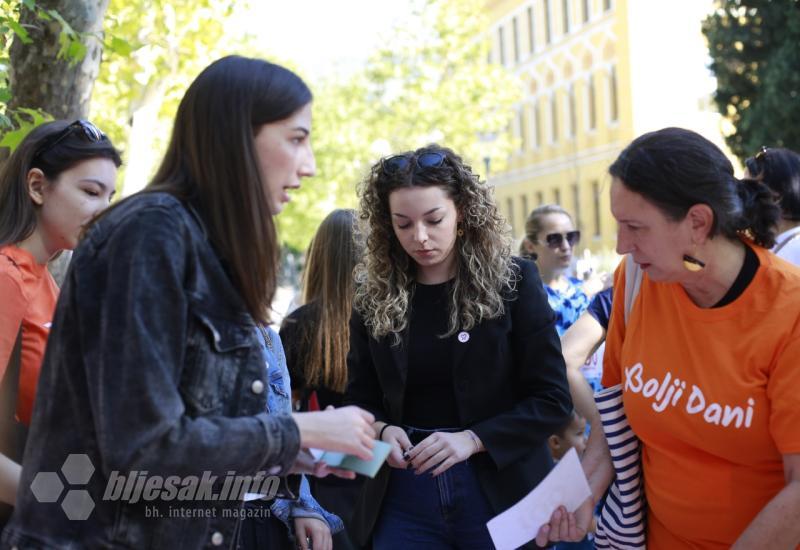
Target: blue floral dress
567	304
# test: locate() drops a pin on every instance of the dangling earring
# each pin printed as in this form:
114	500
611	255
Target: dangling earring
693	264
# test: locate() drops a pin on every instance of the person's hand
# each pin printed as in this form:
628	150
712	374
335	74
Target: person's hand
597	282
347	430
398	439
305	463
564	526
312	533
442	450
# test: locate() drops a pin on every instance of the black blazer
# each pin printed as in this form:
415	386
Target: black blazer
511	390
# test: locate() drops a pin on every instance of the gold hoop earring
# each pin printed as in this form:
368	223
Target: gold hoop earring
460	232
693	264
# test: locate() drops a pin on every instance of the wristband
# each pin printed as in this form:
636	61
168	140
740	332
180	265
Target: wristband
380	434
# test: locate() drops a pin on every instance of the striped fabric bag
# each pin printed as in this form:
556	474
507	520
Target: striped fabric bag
622	519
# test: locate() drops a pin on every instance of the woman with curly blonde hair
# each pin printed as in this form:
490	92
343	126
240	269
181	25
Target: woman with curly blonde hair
453	348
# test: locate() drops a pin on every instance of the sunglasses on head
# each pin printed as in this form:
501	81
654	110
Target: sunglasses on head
400	163
756	164
84	128
555	240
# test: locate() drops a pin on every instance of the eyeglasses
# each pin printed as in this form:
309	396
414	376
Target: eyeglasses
398	163
89	131
555	240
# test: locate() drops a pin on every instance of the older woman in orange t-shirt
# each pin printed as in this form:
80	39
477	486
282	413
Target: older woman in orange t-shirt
57	179
706	355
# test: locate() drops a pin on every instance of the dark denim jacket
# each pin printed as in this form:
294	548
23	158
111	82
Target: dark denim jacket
153	365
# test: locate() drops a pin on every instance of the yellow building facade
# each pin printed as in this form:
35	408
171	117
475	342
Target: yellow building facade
596	74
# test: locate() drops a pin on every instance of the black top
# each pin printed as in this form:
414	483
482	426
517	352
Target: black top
745	276
430	400
295	333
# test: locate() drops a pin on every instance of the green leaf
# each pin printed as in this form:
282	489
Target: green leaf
5	95
76	52
19	30
30	4
120	46
32	119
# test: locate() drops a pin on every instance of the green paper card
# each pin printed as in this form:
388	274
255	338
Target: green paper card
365	467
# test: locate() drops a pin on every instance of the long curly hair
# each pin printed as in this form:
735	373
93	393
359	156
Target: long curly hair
385	278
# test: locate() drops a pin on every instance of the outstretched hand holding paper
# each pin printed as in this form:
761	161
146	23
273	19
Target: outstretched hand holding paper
565	485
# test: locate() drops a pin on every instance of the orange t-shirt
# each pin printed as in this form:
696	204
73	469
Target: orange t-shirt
28	295
713	395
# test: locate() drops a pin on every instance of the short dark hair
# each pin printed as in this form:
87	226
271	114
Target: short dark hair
779	169
17	211
676	168
211	158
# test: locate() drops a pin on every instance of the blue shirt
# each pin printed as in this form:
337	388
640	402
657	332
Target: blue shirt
600	307
279	402
567	304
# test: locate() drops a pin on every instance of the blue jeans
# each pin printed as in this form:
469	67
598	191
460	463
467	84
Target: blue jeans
431	513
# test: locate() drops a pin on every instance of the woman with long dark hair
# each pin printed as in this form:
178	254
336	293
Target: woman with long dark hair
155	368
57	179
316	337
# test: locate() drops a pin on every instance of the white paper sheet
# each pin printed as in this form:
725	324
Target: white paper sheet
565	485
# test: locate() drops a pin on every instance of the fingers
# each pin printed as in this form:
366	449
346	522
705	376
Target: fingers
422	465
443	467
543	536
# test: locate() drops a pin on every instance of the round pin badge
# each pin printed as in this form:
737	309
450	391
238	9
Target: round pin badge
463	337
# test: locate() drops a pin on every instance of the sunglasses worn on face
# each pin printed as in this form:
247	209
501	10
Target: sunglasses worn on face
84	128
555	240
398	163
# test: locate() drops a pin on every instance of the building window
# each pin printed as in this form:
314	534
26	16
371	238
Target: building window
571	109
553	119
587	13
547	35
607	5
612	95
539	198
596	201
523	135
501	45
576	204
565	15
590	99
510	210
557	196
537	126
524	200
515	36
531	34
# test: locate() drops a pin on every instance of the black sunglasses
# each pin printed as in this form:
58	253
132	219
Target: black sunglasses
399	163
555	240
84	128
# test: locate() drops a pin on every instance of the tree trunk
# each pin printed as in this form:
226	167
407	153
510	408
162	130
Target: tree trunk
38	78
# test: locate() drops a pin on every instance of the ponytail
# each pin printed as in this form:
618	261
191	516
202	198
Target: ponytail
760	212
